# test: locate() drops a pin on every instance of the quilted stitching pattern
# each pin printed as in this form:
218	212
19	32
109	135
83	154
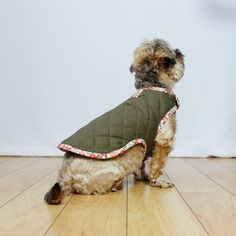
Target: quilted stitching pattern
137	117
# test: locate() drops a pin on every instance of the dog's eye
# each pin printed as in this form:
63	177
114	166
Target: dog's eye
168	62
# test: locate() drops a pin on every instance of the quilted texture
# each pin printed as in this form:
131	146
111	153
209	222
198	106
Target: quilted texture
136	118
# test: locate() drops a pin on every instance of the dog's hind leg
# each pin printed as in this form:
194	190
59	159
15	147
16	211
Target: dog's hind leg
141	173
118	185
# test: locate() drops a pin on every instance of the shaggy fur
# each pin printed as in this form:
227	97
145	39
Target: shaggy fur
155	64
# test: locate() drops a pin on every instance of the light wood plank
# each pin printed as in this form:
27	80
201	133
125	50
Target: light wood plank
228	162
19	180
216	211
100	215
187	179
154	211
151	211
216	171
24	177
7	196
3	159
12	164
28	214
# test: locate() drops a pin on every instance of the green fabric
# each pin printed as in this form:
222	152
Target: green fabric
137	117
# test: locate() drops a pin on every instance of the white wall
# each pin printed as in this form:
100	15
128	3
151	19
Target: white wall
64	62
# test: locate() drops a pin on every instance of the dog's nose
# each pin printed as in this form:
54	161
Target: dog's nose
131	69
180	60
179	56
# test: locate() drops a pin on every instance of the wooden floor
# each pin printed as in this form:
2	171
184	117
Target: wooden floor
203	202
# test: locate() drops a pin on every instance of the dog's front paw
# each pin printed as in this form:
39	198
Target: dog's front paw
161	182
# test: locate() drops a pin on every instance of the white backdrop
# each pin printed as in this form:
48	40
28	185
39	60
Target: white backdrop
64	62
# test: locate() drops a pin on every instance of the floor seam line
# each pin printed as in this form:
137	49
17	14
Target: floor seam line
54	170
210	178
189	207
57	216
127	206
33	161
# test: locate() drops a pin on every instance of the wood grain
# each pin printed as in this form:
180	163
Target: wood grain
13	164
7	196
28	214
216	211
187	178
15	182
203	202
222	175
3	159
228	162
214	207
154	211
103	215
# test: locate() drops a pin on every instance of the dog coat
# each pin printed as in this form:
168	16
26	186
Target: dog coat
135	121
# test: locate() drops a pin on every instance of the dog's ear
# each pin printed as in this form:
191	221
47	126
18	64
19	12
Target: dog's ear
141	55
166	62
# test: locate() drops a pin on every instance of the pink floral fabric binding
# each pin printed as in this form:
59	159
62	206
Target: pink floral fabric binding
69	148
171	112
115	153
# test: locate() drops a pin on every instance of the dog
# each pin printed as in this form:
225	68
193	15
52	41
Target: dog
134	138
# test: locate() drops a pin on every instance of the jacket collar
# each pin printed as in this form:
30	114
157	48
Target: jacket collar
159	89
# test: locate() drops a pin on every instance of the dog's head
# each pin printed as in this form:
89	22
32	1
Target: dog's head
156	63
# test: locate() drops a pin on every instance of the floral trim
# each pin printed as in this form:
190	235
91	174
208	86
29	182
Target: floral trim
115	153
159	89
171	112
96	155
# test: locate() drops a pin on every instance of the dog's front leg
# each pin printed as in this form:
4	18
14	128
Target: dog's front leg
160	153
163	146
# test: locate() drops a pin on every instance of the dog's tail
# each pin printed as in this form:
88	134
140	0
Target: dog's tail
54	195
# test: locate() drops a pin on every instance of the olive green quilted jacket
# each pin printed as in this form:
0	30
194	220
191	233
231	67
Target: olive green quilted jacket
135	121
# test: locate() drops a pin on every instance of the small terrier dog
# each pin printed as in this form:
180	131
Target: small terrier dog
134	138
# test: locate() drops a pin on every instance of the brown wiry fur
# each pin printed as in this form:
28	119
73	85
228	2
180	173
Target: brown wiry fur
155	64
